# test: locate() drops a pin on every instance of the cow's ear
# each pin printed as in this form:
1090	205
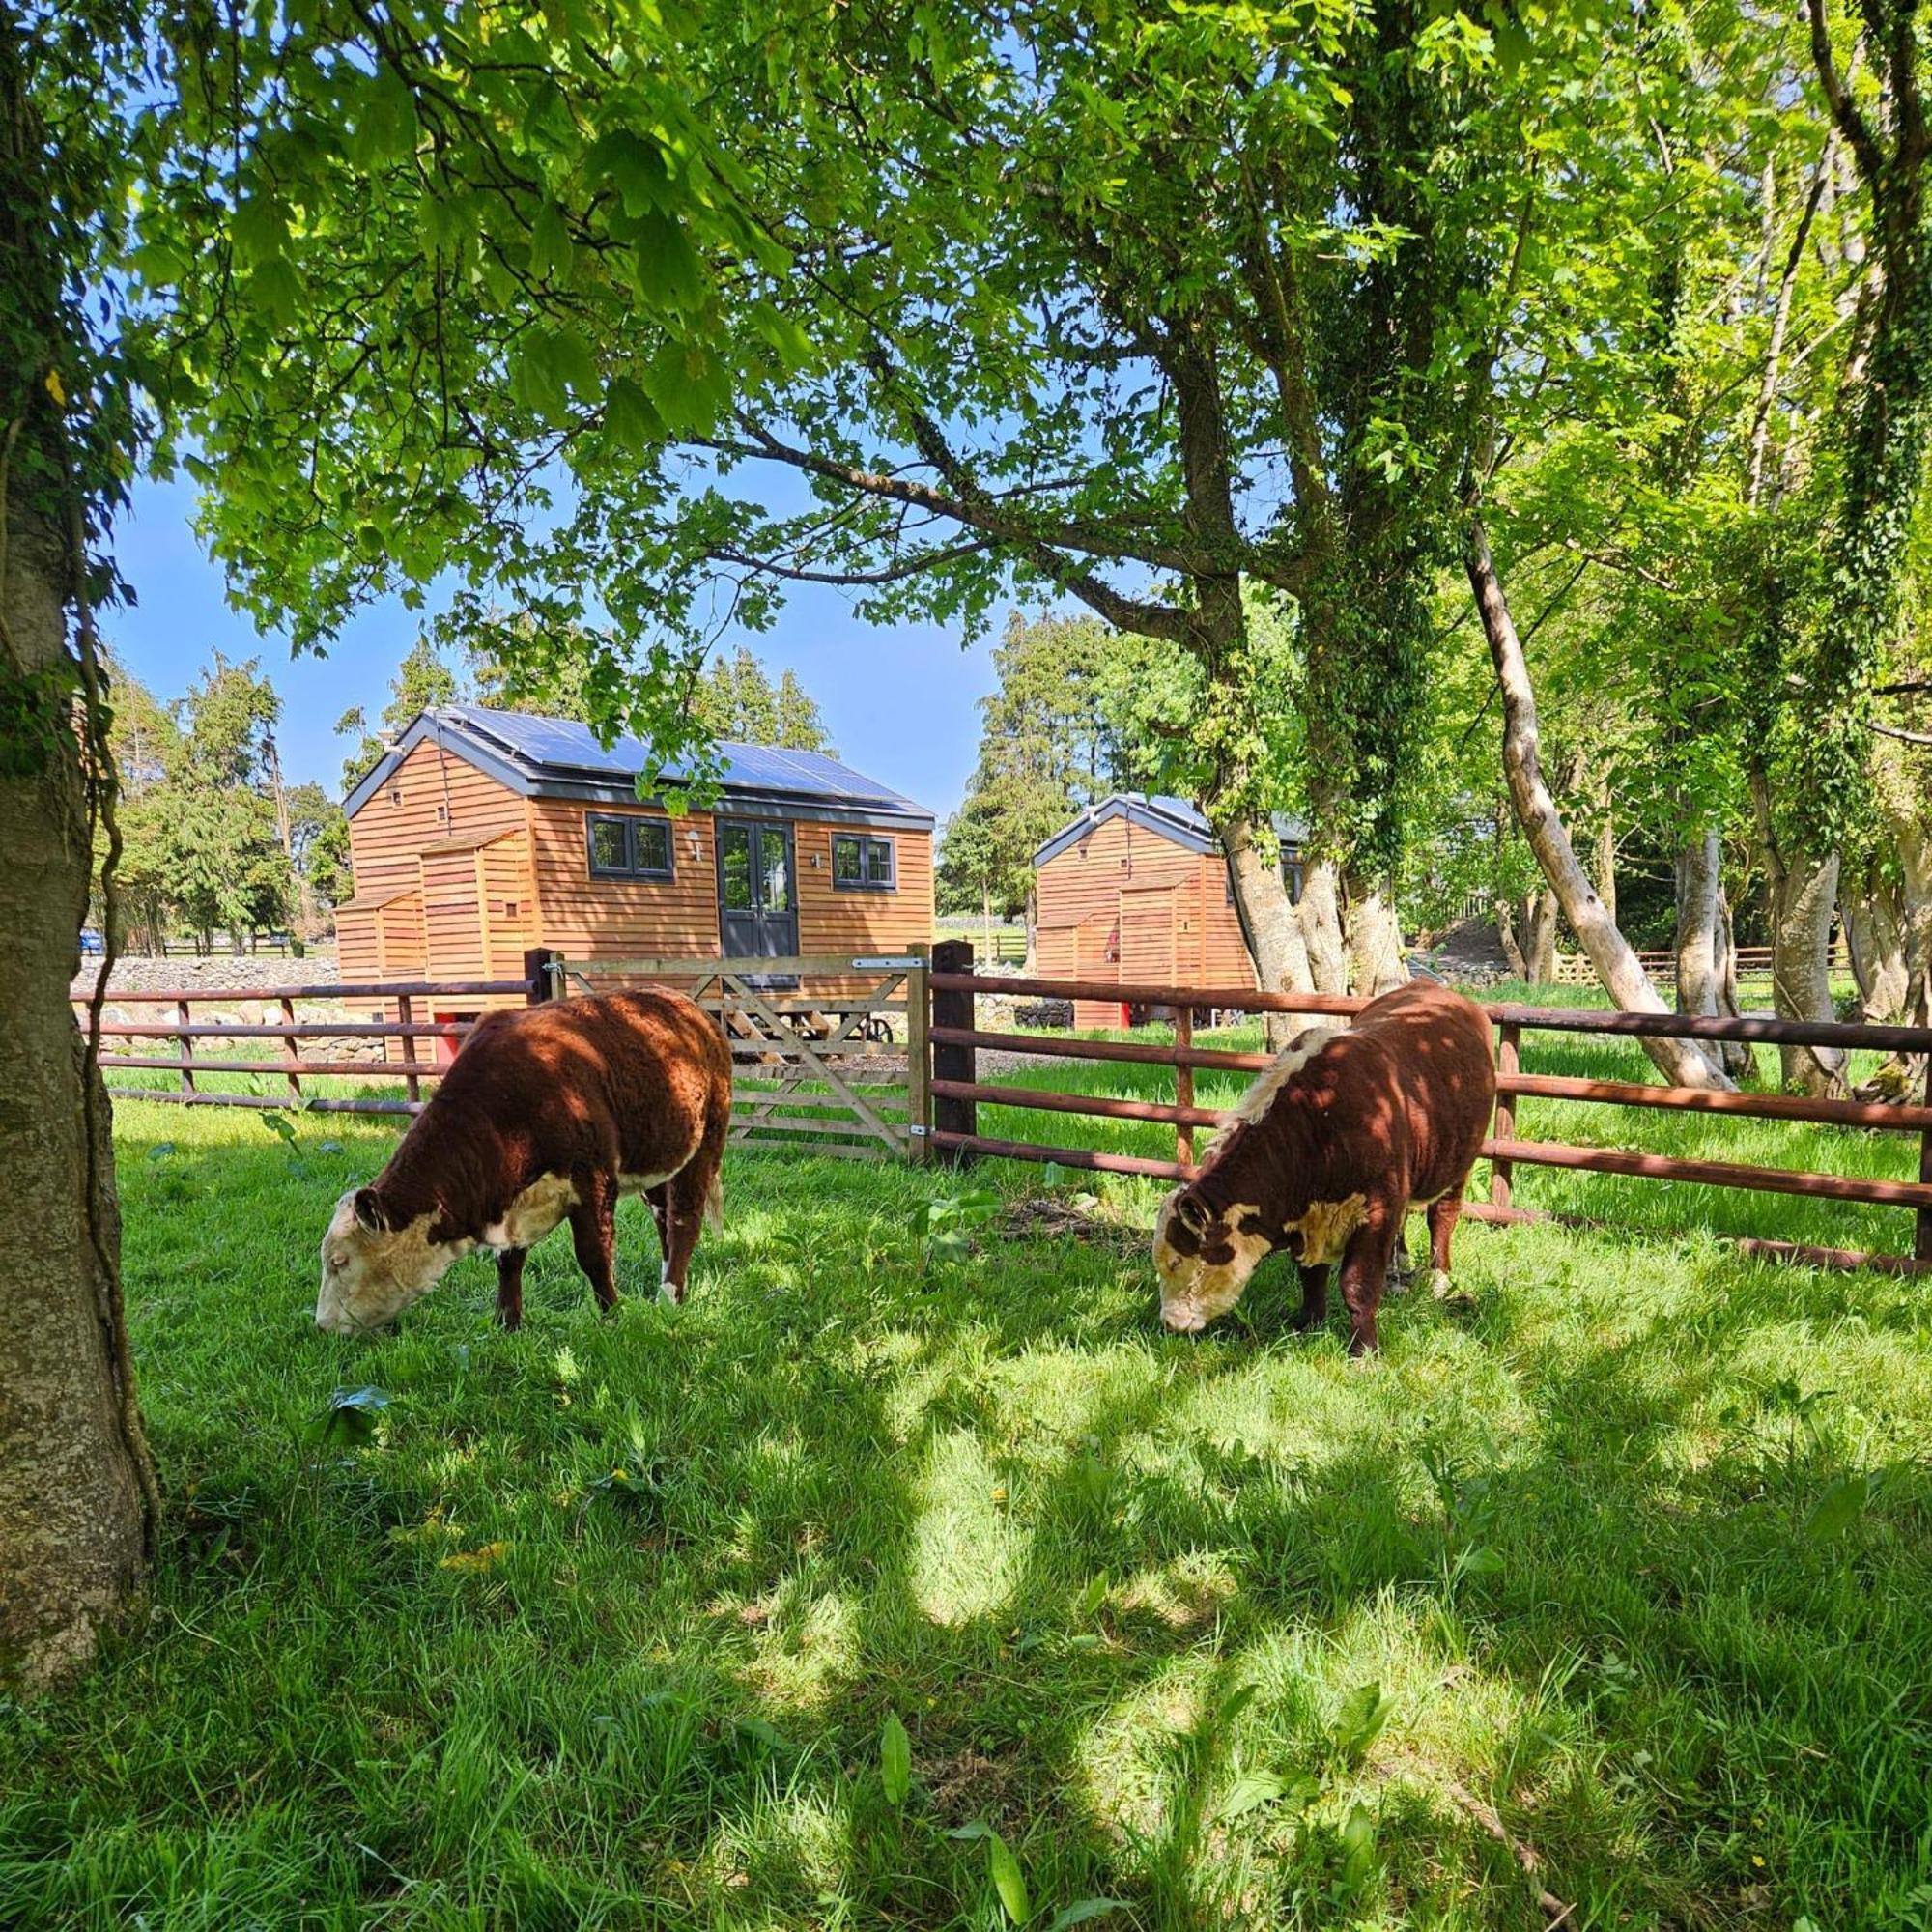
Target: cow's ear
1192	1213
369	1210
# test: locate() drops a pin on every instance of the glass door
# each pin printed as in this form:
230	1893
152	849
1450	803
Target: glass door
757	907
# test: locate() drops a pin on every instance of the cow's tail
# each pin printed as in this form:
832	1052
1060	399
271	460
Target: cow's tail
714	1201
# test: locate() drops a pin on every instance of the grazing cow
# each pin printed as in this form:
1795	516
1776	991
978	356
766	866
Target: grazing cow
1326	1151
548	1113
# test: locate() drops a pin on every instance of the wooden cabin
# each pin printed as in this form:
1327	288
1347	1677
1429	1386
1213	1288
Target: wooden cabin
1136	890
484	832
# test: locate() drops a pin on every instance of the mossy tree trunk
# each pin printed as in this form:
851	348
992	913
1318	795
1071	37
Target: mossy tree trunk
75	1522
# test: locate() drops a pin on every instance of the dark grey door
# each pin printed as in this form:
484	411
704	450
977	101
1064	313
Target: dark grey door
757	899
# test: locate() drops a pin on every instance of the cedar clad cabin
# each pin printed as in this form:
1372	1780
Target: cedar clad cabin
485	832
1136	890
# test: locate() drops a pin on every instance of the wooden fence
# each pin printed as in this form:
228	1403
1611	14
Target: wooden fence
957	1091
1754	965
828	1050
864	1057
191	1038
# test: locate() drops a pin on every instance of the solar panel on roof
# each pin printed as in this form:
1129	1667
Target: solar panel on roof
565	744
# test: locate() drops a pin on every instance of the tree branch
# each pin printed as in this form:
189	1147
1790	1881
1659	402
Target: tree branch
1852	123
977	512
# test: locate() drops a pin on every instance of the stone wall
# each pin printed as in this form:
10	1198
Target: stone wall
217	973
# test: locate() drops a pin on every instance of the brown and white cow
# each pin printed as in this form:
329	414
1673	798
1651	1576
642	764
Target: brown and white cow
1328	1151
548	1113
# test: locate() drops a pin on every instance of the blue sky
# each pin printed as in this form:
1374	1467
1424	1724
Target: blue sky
900	704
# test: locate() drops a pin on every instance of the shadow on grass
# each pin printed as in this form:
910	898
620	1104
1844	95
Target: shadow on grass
603	1625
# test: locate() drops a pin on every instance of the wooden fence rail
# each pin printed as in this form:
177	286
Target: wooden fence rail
956	1088
196	1067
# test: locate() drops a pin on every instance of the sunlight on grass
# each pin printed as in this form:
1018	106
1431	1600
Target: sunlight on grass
599	1623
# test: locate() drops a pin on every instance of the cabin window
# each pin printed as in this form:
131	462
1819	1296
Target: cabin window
861	864
623	847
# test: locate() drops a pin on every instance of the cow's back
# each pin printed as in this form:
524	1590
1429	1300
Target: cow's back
626	1082
1431	1053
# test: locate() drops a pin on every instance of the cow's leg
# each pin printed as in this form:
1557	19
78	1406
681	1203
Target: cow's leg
1443	1214
1364	1269
510	1286
1402	1268
1313	1296
594	1234
690	1189
660	1198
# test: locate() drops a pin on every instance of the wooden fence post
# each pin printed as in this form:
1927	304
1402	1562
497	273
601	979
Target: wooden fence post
1183	1086
1508	1055
291	1053
541	974
1922	1233
949	1062
411	1080
184	1013
918	1052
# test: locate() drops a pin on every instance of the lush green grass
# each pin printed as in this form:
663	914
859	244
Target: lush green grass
460	1675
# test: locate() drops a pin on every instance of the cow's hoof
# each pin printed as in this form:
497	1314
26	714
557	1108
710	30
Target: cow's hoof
1440	1283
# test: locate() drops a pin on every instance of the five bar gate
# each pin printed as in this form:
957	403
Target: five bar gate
827	1051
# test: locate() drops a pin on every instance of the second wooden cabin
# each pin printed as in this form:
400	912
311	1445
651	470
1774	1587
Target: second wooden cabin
1136	891
482	833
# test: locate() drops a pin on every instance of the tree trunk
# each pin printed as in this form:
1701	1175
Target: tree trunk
1267	921
1607	850
1320	914
1376	960
1739	1056
1539	938
74	1525
1801	891
1873	916
1513	951
1902	1076
1697	866
1803	911
1682	1062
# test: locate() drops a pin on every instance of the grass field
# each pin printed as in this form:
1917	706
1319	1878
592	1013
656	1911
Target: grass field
601	1624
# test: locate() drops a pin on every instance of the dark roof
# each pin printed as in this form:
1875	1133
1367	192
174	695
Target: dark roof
1172	818
558	757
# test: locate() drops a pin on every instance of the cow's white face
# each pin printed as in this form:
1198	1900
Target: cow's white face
1203	1257
370	1273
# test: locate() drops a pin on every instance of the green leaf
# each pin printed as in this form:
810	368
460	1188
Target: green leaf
277	290
384	123
1358	1843
551	250
1251	1791
631	416
1079	1913
1481	1561
355	1413
895	1760
1359	1722
537	382
1007	1881
1837	1509
634	166
259	228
